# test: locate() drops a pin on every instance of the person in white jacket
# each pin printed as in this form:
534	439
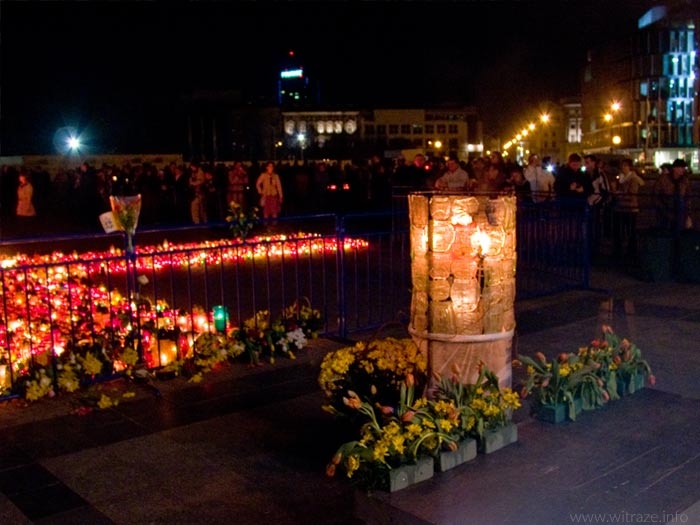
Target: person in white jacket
541	181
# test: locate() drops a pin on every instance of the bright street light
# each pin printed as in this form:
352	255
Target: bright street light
302	142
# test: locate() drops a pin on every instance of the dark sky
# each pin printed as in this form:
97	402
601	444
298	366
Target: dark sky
118	68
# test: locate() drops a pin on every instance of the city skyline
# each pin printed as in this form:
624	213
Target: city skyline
119	70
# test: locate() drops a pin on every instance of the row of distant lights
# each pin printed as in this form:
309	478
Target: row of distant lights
544	118
608	117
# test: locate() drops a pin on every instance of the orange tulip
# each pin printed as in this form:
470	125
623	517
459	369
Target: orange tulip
386	410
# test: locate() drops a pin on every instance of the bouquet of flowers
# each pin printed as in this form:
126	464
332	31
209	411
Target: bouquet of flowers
125	211
241	222
264	335
482	406
374	370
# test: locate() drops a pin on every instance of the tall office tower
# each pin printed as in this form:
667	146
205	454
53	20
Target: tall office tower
294	88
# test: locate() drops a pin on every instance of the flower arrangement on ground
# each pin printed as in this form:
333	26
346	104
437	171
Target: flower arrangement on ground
95	358
210	349
241	221
592	376
393	436
483	405
263	335
556	381
374	370
301	315
627	360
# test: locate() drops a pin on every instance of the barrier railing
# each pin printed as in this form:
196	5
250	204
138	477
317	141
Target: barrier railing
353	268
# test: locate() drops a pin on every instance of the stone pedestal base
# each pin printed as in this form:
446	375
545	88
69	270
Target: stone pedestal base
447	352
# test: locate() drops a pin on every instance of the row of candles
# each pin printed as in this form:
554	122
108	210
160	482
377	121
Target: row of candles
49	299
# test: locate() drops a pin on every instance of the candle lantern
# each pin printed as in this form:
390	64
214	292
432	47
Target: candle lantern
167	351
185	344
463	272
220	318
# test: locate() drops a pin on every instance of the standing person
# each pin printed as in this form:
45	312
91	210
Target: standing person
516	181
269	187
627	209
600	201
672	197
183	193
198	207
25	204
454	179
417	172
212	201
479	167
237	184
496	181
571	185
541	181
599	181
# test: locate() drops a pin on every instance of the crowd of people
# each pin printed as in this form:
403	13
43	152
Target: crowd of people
199	192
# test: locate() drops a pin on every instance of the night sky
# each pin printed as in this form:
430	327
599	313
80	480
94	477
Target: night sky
118	69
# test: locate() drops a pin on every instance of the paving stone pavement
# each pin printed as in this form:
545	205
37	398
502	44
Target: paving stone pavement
250	445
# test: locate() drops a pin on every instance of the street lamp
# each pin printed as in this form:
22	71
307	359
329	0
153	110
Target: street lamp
615	143
302	143
609	117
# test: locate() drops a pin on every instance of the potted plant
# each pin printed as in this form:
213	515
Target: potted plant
600	385
486	408
397	445
554	385
632	370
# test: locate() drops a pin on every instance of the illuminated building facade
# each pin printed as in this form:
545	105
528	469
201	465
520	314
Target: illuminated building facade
438	131
299	127
640	97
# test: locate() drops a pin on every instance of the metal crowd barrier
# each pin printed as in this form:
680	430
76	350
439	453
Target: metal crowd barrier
353	268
